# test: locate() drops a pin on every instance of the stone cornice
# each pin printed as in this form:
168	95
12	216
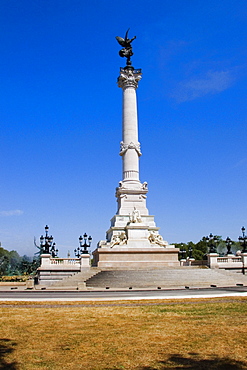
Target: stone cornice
125	189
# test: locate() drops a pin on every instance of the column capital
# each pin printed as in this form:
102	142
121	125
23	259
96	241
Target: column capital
129	77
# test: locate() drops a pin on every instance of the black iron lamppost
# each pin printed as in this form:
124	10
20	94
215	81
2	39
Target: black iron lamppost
83	249
183	253
46	243
243	240
211	240
228	245
54	251
190	252
77	252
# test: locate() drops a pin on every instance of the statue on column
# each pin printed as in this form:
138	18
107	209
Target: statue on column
136	216
127	47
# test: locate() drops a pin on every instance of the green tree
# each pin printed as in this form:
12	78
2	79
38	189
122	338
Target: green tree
4	265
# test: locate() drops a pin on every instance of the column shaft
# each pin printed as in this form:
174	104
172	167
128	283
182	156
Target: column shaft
130	147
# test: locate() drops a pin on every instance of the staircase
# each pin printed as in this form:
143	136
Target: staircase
76	281
165	278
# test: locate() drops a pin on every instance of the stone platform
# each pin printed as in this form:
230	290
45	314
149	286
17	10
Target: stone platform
138	258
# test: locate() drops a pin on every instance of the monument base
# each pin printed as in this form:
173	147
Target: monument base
133	242
120	258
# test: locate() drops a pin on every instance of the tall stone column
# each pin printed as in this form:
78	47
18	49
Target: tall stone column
130	146
131	192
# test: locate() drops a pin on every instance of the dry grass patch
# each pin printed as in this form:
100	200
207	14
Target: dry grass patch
170	335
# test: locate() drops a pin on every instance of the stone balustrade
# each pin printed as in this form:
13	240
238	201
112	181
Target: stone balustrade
227	262
48	262
65	261
229	259
214	261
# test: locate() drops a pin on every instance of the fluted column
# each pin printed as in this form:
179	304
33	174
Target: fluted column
130	146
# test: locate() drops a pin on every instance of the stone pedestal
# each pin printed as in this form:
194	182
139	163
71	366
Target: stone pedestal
212	260
190	260
135	258
85	262
133	240
45	259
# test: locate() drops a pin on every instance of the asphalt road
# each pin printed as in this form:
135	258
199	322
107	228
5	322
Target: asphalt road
42	295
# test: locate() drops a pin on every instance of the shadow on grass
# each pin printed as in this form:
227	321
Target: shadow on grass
6	347
193	362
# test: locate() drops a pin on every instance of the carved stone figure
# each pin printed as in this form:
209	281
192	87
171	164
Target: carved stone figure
127	48
121	185
145	185
136	216
157	239
119	239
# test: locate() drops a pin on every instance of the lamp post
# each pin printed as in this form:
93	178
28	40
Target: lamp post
242	240
83	248
46	244
211	240
54	251
190	252
228	245
183	253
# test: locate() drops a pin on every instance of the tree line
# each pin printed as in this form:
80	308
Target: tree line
199	250
11	263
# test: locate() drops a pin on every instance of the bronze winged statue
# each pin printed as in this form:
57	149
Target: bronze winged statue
127	48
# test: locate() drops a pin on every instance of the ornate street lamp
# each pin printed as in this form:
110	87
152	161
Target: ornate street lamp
46	245
183	253
54	251
190	251
211	240
77	252
228	245
83	249
243	240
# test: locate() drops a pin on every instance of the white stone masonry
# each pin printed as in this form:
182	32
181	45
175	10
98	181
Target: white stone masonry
131	192
133	240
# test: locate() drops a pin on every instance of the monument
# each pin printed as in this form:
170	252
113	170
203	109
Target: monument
133	240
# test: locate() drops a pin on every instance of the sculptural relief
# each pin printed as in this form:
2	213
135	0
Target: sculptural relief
119	239
157	239
124	147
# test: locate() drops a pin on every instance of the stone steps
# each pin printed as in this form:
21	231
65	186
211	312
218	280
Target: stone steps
165	278
77	278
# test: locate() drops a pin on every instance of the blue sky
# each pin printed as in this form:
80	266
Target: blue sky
60	117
